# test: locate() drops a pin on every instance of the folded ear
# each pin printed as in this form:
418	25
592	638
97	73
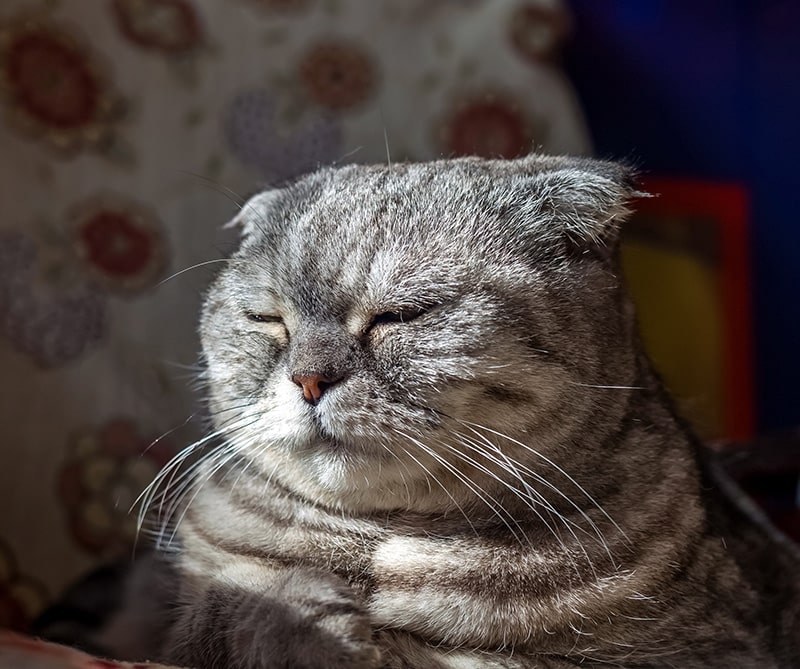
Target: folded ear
580	202
255	212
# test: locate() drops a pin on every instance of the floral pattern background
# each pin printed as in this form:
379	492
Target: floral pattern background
129	131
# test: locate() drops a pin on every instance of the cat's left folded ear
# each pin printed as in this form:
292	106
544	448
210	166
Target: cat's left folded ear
586	201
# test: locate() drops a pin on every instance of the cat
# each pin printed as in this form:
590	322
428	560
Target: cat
442	445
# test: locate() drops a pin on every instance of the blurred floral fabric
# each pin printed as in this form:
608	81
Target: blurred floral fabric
130	130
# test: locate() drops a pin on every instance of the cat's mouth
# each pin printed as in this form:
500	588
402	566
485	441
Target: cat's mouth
331	443
323	439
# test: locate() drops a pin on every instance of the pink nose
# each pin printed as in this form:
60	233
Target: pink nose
313	385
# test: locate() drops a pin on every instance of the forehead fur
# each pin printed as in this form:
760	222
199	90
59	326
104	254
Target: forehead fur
466	200
362	229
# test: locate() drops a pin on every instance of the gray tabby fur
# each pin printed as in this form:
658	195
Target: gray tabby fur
495	479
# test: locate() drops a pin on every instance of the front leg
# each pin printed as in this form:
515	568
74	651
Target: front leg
252	615
468	593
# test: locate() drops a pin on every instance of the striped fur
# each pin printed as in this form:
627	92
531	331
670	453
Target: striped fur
494	476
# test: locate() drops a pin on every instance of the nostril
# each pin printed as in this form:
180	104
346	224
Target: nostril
313	385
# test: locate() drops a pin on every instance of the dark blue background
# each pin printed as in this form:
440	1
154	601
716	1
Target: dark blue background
711	89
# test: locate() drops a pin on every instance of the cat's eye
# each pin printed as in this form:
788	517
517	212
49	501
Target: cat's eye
263	318
403	315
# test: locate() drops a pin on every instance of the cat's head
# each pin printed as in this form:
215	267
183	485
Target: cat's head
382	328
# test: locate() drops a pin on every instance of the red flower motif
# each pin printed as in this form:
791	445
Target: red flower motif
21	598
164	25
105	472
338	75
120	242
537	32
52	86
491	127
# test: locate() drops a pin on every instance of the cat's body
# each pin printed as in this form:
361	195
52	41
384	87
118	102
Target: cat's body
443	447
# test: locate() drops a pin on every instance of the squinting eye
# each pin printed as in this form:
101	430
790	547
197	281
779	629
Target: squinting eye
399	316
263	318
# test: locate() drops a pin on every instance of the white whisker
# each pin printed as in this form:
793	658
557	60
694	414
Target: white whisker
577	507
166	478
190	268
532	498
592	385
479	492
440	484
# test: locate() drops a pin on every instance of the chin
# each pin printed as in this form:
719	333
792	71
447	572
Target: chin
348	476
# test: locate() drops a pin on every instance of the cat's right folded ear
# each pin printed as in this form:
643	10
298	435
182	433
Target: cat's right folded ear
254	213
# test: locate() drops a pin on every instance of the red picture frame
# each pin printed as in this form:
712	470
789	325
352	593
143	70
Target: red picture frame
726	207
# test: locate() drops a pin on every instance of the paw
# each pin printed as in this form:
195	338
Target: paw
313	620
